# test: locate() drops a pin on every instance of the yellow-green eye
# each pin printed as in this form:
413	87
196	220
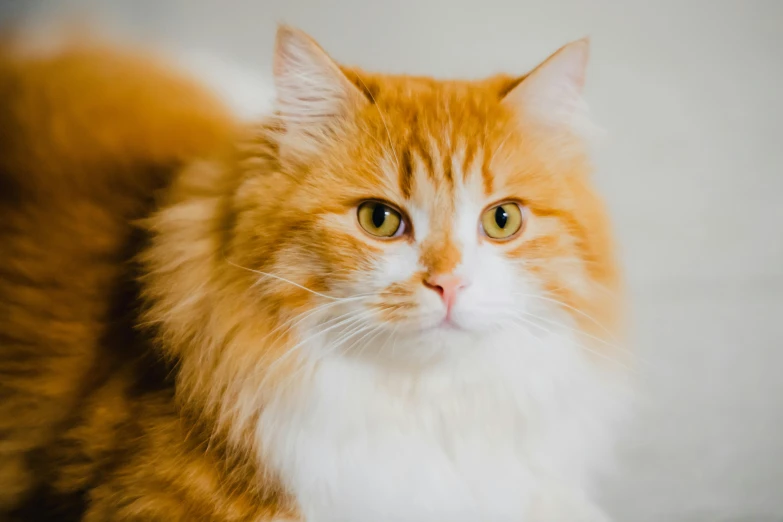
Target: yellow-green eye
502	221
380	220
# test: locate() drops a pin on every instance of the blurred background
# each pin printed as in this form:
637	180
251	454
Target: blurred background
688	92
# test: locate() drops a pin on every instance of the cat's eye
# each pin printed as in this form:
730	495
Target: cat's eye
502	221
380	220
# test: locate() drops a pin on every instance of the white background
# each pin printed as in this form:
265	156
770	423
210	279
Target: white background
689	93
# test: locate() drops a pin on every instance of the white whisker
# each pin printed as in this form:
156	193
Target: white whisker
283	279
575	330
295	321
525	321
335	345
499	147
353	318
375	331
573	309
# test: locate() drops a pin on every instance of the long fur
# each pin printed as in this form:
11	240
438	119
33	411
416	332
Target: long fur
195	326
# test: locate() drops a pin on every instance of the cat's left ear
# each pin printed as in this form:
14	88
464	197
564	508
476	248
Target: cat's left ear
314	97
551	94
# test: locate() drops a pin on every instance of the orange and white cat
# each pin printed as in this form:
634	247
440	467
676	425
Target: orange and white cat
392	300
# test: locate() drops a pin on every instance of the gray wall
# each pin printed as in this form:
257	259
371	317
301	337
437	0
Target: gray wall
692	169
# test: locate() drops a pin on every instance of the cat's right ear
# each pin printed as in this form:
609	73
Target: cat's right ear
551	95
314	97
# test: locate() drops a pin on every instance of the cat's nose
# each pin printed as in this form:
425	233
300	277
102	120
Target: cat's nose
447	285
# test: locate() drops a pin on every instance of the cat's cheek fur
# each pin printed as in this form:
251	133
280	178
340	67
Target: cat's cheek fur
398	265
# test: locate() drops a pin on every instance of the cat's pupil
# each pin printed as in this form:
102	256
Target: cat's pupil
501	217
378	215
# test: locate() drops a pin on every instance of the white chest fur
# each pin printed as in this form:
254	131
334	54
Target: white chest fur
501	433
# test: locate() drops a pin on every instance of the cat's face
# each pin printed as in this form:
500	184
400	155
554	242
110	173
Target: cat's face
427	211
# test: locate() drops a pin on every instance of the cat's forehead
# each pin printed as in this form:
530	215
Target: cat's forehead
395	88
441	135
429	103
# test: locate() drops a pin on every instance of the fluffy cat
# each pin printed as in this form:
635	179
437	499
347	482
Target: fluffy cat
392	300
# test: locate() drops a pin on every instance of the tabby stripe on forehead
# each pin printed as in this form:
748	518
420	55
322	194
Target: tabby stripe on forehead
447	170
406	173
416	148
422	151
486	171
470	152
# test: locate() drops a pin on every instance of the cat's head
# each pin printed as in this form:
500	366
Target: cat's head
393	208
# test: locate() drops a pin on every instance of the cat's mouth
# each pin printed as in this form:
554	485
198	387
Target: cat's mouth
448	323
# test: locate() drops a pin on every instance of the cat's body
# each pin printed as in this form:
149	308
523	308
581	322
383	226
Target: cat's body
310	372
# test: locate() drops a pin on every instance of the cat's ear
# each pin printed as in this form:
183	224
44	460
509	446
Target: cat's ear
551	94
314	97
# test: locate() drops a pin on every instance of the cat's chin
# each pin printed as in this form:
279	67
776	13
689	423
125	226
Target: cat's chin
416	345
436	342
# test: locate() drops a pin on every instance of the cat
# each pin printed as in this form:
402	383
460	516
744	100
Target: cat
392	299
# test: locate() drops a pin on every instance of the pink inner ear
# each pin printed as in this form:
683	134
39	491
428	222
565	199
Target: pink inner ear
314	97
553	90
310	85
572	59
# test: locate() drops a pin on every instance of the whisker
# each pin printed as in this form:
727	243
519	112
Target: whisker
499	147
354	318
573	309
389	336
340	341
618	347
298	319
283	279
394	335
334	346
525	321
575	330
376	331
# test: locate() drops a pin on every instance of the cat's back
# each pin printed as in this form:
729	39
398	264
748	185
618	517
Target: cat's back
87	137
89	119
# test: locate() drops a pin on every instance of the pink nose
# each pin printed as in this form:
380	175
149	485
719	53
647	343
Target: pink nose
447	285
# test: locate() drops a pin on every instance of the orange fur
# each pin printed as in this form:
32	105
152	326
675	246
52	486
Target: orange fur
91	136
